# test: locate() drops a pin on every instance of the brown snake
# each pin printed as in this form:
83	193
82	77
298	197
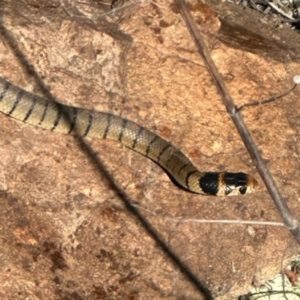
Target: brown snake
38	111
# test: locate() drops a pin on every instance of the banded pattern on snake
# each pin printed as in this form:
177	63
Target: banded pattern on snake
39	111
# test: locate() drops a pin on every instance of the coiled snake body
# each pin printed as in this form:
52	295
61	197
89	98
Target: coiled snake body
38	111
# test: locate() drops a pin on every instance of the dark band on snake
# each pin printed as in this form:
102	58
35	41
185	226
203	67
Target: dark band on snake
39	111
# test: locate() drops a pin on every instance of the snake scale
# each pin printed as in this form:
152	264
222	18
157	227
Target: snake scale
39	111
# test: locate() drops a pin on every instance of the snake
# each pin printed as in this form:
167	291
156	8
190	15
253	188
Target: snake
55	116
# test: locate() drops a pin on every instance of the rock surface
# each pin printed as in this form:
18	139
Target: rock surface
65	231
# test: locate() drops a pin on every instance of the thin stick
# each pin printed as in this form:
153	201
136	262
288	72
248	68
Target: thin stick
272	99
263	223
289	220
181	220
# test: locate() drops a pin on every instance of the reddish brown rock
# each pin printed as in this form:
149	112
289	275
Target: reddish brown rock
65	233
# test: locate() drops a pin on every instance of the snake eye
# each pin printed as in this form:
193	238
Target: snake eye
243	190
228	190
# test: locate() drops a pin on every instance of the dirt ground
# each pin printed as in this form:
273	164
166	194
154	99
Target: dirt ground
67	228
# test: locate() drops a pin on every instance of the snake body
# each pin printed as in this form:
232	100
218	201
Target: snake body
54	116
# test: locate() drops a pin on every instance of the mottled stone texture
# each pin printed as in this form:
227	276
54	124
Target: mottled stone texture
65	232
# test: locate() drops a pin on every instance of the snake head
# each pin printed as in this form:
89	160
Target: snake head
227	184
237	183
